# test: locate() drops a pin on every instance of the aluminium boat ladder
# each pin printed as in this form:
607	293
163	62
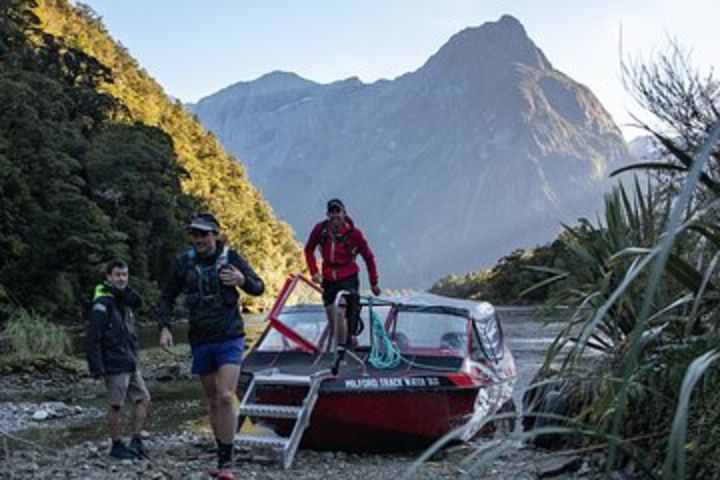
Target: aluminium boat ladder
284	447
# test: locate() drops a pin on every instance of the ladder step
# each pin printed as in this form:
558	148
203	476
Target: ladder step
262	441
282	379
285	447
269	411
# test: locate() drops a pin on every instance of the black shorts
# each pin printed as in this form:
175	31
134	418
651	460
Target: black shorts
331	288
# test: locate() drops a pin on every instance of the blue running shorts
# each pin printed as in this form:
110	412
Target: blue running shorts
209	357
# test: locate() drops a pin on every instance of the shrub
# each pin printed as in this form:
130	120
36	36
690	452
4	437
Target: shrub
30	335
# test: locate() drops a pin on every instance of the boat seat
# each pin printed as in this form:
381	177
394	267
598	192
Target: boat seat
402	341
454	341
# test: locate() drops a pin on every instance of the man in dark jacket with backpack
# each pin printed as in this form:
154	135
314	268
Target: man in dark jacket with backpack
340	241
209	274
112	352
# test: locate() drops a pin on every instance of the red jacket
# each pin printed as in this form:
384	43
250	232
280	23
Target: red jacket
338	251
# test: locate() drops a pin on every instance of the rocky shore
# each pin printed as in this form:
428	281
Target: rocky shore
57	398
185	455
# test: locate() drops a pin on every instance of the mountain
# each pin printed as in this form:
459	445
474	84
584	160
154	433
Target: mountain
484	148
212	178
644	148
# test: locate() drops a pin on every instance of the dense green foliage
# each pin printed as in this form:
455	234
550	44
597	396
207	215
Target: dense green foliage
96	161
214	178
509	281
77	185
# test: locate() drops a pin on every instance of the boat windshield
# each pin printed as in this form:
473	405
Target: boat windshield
310	322
430	333
307	321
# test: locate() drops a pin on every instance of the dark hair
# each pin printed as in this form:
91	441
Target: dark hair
115	263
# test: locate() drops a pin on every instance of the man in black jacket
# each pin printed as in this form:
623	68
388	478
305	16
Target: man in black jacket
209	275
111	347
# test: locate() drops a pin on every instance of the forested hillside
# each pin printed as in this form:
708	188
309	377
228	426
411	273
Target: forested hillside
96	161
506	282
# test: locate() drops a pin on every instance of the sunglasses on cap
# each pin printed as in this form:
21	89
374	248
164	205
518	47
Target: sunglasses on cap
334	209
194	232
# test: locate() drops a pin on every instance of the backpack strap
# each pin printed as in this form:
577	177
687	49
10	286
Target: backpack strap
221	260
324	232
343	239
200	271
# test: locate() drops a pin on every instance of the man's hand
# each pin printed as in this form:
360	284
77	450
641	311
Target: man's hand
166	339
317	278
231	276
376	290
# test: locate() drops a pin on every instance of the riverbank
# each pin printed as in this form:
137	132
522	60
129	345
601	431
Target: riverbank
52	426
186	455
70	440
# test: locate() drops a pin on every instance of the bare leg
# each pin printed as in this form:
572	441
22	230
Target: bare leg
115	422
209	383
340	329
139	414
337	324
220	392
330	314
226	422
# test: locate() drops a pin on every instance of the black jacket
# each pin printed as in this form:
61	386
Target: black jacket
111	339
213	308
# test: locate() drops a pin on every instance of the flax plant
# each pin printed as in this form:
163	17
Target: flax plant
643	288
647	302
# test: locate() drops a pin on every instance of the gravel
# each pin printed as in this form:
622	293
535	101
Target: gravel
186	455
16	416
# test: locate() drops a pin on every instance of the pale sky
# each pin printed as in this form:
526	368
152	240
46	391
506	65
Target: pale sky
194	48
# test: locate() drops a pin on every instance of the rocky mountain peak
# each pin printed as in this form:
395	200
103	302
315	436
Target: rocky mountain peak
492	44
483	149
279	81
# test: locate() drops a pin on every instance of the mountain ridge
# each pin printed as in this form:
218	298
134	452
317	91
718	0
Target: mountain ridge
484	133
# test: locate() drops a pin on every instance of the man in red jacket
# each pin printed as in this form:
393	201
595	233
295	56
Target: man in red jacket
340	241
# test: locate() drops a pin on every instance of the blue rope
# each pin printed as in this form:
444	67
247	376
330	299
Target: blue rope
384	353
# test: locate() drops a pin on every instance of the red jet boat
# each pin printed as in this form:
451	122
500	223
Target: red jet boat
423	366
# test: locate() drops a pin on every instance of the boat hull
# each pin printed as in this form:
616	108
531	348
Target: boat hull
378	420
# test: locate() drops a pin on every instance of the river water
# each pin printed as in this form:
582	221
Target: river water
528	337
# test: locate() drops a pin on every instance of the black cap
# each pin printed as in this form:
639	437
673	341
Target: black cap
204	221
335	202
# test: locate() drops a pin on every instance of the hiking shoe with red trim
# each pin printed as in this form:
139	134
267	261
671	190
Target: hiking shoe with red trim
225	474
